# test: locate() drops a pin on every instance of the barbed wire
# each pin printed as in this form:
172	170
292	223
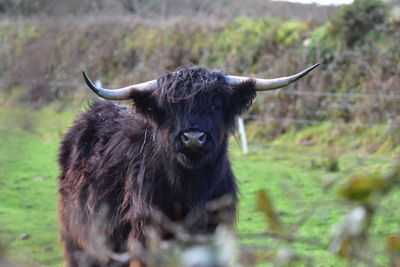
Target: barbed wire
43	82
272	93
267	119
351	107
335	95
318	112
297	149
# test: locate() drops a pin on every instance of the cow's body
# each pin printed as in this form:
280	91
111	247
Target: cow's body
120	166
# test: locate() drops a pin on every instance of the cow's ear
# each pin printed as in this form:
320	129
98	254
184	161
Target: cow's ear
146	104
242	97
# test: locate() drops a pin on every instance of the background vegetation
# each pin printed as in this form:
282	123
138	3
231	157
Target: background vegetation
323	151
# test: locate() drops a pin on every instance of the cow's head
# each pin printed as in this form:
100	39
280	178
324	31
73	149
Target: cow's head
194	109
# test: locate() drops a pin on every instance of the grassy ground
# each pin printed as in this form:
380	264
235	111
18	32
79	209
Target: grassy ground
293	177
28	198
296	183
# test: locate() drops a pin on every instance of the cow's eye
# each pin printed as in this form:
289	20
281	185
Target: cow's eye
215	107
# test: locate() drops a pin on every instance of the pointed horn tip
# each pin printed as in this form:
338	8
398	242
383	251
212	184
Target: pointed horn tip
89	83
305	72
87	80
300	75
314	66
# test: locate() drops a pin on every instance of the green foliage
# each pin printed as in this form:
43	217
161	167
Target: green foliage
239	43
354	21
363	186
367	190
131	5
265	205
16	6
5	5
393	243
331	164
18	38
322	46
33	7
235	46
290	32
119	54
393	248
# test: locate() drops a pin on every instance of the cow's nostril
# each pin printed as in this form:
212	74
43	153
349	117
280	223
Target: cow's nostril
193	139
202	138
184	138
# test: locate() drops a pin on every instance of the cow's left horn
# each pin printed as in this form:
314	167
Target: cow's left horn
121	93
270	84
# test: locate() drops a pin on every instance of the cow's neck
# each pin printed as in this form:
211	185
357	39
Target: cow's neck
175	186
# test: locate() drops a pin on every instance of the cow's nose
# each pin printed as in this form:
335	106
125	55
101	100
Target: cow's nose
193	139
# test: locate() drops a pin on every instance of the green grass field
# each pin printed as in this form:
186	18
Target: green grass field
293	176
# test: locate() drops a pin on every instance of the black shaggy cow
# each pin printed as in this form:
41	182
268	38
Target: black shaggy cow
166	154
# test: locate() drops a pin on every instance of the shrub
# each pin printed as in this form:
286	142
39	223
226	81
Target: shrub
355	21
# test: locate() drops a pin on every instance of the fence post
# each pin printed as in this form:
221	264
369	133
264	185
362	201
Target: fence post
243	138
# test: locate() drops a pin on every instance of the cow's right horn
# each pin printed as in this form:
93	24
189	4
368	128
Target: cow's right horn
271	84
121	93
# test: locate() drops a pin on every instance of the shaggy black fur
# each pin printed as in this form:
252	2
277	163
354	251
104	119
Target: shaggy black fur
119	164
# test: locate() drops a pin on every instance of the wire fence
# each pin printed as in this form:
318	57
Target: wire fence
268	119
298	148
330	106
334	95
272	93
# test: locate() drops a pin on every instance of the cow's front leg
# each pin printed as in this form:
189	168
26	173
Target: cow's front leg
137	243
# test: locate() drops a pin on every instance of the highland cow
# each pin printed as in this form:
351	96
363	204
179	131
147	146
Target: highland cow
167	154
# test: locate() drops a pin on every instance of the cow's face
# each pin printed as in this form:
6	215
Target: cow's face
194	116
